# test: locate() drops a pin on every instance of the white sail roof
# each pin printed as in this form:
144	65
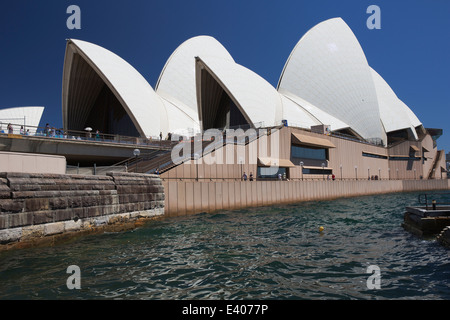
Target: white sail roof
177	79
257	99
321	116
392	111
142	104
328	68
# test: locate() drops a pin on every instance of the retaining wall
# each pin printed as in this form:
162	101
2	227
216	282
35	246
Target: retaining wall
37	208
190	197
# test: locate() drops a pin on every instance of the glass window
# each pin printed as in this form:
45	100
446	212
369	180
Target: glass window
372	155
317	171
308	153
270	173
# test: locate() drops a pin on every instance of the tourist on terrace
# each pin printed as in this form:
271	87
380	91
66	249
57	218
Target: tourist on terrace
47	130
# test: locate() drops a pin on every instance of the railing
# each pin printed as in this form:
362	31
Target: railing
423	199
94	170
436	161
165	162
74	135
374	141
316	178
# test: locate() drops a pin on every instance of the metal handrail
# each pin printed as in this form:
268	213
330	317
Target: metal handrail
75	135
433	203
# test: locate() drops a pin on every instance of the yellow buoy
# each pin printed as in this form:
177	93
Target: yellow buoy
321	229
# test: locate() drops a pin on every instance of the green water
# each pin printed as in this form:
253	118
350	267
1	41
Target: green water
260	253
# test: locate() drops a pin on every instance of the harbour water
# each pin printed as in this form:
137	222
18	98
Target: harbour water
273	252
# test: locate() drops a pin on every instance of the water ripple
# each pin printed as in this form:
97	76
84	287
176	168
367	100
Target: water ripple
258	253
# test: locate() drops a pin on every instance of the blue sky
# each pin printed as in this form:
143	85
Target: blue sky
410	51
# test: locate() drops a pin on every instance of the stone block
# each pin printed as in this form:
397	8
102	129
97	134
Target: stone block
23	194
119	218
61	187
107	192
4	221
109	200
10	235
4	187
125	189
16	183
94	211
27	187
123	198
11	206
53	228
159	204
78	213
89	201
133	198
41	217
62	215
74	202
5	194
58	203
72	225
17	175
101	221
111	209
20	219
32	232
48	194
36	204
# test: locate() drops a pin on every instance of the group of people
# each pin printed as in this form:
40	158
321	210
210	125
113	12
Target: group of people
10	130
244	177
48	132
284	177
51	132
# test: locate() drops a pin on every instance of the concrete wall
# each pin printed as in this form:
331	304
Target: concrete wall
38	206
190	197
32	163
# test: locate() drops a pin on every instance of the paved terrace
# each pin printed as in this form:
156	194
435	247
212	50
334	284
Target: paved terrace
83	148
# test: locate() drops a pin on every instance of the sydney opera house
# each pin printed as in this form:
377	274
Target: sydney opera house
333	114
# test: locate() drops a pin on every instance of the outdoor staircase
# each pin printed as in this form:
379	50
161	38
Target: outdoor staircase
163	161
435	166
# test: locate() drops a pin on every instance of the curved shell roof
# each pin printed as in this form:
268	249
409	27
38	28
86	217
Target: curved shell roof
393	111
296	115
143	105
326	80
257	99
411	115
321	116
182	119
177	79
328	68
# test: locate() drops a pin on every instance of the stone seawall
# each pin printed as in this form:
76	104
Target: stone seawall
37	208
